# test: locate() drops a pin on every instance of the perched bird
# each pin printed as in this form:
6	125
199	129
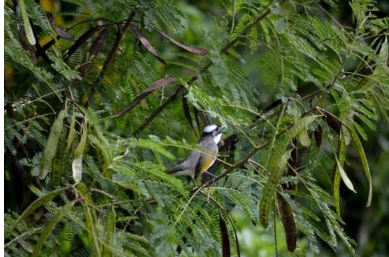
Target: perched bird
199	161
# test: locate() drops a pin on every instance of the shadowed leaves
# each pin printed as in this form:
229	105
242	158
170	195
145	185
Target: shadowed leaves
156	85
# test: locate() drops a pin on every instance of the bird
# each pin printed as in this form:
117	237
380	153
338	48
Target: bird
199	161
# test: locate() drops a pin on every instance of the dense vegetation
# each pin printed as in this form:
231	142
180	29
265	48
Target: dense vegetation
102	96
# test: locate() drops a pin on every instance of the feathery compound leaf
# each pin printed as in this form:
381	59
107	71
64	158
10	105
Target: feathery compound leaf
66	239
337	176
277	165
40	202
156	85
50	226
26	22
365	164
109	231
89	214
51	145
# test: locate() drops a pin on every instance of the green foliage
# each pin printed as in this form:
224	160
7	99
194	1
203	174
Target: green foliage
85	181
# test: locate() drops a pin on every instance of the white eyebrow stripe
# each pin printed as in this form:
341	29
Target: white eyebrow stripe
217	138
210	128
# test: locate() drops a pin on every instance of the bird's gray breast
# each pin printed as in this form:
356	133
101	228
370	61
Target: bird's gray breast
208	145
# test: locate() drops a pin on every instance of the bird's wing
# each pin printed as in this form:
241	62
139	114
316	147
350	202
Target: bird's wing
204	163
188	164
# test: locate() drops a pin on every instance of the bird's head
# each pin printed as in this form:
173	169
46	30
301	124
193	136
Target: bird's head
214	131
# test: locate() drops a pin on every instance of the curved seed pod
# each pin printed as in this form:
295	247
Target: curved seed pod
226	249
319	136
59	159
109	230
81	146
72	132
146	43
50	226
288	223
51	145
337	176
365	164
277	165
78	153
89	213
26	23
270	188
304	138
189	49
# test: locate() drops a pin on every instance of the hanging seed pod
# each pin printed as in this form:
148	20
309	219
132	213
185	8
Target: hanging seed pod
51	145
59	159
288	223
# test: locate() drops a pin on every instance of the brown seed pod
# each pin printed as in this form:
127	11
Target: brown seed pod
288	223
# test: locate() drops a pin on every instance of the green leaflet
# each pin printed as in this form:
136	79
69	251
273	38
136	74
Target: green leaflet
51	145
59	159
26	23
337	176
103	148
380	70
270	188
109	230
102	152
277	165
153	145
50	226
365	164
66	239
40	202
